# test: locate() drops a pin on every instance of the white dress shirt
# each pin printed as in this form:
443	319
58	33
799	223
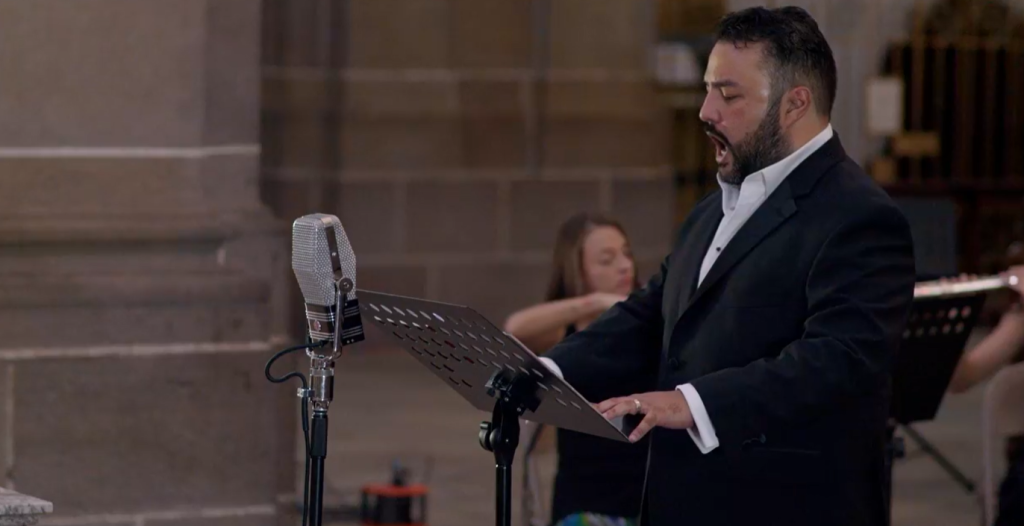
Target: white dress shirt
738	204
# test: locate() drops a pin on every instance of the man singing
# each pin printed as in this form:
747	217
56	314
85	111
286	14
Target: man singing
773	323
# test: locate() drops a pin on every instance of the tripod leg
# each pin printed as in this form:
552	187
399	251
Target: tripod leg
318	451
944	462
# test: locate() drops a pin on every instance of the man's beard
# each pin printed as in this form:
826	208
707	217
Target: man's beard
762	148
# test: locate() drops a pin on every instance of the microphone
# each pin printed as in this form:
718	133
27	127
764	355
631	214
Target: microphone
325	267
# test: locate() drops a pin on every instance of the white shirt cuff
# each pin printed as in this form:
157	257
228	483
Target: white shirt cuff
551	365
704	436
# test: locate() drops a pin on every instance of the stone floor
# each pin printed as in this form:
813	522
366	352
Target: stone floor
388	407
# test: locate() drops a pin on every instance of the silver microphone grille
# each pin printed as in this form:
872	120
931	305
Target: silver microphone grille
312	261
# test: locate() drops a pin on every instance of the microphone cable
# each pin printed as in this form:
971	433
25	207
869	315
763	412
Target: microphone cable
304	409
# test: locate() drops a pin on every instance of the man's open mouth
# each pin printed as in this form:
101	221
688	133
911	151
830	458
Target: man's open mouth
721	147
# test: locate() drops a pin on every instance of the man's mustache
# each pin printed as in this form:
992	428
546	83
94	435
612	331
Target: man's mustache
710	130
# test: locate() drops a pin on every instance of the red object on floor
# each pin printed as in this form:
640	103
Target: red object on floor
394	505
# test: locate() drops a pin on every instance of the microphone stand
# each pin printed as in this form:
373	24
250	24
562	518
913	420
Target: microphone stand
322	379
320	394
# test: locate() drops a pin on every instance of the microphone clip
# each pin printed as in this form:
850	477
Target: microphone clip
321	368
321	383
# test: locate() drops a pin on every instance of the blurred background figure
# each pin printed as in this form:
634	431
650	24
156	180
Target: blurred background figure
1002	347
598	481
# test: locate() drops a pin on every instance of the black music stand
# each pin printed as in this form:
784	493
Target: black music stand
493	372
933	343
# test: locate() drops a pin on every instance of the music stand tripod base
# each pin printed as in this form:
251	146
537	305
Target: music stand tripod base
493	372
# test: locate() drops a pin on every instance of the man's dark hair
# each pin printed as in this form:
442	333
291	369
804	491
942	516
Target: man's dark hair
796	50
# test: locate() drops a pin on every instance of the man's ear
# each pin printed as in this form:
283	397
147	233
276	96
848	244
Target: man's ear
795	104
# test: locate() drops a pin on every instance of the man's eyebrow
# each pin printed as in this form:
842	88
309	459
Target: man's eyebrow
718	84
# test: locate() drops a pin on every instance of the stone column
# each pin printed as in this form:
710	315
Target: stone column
139	269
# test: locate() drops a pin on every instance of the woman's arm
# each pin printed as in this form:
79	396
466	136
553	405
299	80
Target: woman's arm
992	353
541	326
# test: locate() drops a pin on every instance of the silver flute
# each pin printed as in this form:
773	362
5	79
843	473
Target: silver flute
935	289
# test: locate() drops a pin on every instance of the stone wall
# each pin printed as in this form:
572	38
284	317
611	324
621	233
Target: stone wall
139	269
452	137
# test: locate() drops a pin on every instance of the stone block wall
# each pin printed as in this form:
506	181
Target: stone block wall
139	269
452	137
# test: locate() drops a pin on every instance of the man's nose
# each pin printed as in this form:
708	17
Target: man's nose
708	112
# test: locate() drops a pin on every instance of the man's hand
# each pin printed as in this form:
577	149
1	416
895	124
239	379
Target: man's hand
663	408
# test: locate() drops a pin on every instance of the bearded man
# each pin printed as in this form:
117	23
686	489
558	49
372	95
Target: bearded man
771	326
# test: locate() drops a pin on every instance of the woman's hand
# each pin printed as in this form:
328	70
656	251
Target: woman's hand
958	279
1017	272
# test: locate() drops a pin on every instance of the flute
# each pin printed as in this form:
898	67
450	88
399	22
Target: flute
935	289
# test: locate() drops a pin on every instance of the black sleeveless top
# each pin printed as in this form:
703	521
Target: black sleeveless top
599	475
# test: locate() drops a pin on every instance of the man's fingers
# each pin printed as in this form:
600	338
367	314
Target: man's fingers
646	425
608	404
623	407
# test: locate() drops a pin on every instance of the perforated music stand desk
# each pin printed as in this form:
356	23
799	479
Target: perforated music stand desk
493	372
933	343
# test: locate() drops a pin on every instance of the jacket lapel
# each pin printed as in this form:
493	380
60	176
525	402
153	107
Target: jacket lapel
779	206
773	212
694	248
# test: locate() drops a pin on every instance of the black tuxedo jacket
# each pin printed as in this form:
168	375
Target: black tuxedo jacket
789	341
